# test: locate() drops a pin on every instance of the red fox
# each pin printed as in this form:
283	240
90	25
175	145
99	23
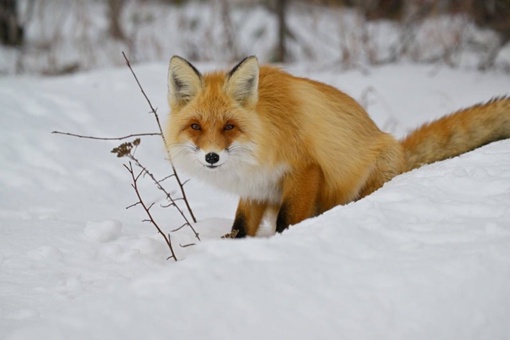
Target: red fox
293	148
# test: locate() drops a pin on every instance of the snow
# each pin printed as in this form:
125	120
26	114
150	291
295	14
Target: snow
425	257
103	231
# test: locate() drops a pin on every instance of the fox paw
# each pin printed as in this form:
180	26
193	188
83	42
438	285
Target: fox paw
232	234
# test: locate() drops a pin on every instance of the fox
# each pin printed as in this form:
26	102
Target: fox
293	148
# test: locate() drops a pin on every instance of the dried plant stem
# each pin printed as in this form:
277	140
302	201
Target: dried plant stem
107	138
134	184
153	110
168	196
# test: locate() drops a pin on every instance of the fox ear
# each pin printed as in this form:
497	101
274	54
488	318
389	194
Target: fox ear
184	81
243	81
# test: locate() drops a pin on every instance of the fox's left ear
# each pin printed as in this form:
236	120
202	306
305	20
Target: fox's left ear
184	81
243	81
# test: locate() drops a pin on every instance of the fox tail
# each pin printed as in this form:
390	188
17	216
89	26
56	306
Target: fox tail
459	132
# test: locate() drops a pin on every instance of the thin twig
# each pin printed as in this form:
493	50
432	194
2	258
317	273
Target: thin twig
108	138
177	229
167	177
167	205
132	205
146	171
170	240
162	136
147	209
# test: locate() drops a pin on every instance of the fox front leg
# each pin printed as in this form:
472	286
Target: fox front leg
248	217
300	196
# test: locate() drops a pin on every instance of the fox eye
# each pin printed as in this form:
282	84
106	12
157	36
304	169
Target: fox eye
228	127
195	126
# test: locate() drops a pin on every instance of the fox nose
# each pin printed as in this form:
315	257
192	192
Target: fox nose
212	158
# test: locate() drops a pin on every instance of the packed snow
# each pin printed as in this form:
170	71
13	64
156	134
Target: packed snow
425	257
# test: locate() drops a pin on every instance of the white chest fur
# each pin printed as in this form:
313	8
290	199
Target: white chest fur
256	183
249	181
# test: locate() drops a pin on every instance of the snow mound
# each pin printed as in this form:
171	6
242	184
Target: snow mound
46	253
103	231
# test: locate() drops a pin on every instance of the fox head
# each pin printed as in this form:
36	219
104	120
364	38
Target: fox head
213	117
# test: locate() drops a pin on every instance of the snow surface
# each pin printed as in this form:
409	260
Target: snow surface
425	257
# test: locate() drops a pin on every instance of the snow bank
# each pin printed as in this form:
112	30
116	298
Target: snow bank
425	257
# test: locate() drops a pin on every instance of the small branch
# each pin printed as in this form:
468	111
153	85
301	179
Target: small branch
168	205
145	171
137	177
107	138
182	226
147	209
173	256
132	205
167	177
141	88
162	136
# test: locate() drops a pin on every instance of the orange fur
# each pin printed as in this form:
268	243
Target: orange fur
298	147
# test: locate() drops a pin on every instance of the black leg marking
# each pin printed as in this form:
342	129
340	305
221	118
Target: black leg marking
240	226
282	222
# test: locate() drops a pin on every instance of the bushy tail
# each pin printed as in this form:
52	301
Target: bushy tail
457	133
